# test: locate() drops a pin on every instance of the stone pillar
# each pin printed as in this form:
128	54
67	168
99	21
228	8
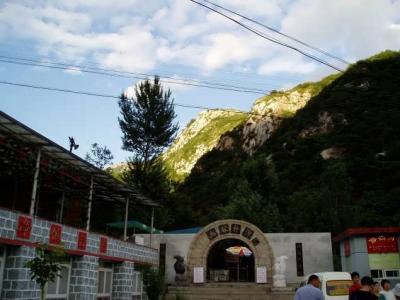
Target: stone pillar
83	281
122	283
17	283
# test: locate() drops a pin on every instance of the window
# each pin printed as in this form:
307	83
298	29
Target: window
104	282
377	273
392	273
137	284
389	273
58	289
338	287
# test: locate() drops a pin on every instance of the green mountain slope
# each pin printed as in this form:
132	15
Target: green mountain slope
335	163
204	133
200	136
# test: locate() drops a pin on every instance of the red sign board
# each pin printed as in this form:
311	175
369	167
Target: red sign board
82	240
103	244
383	244
24	227
347	248
55	234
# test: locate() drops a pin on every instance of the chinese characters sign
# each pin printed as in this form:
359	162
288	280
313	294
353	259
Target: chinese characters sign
382	244
55	234
299	259
232	229
347	248
82	240
103	244
24	227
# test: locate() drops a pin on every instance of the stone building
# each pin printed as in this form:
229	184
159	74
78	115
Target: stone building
48	196
211	273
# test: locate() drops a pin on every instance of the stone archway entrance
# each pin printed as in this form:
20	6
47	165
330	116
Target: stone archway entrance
241	231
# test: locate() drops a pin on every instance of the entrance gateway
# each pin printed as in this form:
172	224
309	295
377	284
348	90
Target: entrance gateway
213	274
207	256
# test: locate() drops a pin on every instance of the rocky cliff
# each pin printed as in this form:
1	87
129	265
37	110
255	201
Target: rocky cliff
198	137
212	128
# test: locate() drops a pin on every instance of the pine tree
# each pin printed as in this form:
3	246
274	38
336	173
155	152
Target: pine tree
147	121
147	124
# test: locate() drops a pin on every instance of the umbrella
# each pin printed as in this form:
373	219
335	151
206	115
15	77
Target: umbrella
239	250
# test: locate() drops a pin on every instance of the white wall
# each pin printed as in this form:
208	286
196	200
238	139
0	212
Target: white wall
317	251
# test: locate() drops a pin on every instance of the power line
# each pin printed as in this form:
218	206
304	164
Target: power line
264	36
165	71
280	33
140	76
40	87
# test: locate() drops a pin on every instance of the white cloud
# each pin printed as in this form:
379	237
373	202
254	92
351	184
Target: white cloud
139	35
286	65
355	29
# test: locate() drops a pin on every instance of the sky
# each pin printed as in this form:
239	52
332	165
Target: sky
174	38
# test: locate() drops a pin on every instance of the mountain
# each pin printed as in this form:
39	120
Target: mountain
321	157
204	133
198	137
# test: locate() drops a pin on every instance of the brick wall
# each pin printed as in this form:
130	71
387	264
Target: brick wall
122	286
83	280
41	230
17	283
84	267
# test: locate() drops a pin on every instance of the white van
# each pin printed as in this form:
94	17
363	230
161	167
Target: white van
334	285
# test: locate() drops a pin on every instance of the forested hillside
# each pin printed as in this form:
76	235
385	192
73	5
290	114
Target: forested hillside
332	164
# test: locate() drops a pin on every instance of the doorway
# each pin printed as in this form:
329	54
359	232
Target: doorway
223	266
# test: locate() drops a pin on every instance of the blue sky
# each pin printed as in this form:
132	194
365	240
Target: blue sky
174	38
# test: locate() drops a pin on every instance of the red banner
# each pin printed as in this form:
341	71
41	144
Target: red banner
55	234
82	240
103	244
383	244
24	227
347	248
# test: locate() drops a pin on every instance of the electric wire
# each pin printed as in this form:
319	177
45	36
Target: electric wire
264	36
280	33
62	90
140	76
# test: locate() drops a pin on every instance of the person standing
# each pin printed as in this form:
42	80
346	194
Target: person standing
355	277
310	291
365	293
376	287
386	293
396	291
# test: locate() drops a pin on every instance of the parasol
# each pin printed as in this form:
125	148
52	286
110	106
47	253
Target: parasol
239	250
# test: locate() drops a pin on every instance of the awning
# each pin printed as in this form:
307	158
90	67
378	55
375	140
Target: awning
106	187
134	224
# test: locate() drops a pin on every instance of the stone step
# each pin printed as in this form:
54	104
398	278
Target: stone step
234	291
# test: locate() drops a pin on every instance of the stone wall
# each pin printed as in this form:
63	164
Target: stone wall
317	251
21	234
40	233
17	283
122	287
83	280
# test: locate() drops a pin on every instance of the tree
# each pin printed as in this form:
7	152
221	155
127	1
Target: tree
147	121
45	267
99	156
153	282
147	124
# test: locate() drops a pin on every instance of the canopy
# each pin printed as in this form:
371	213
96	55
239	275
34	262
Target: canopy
134	224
